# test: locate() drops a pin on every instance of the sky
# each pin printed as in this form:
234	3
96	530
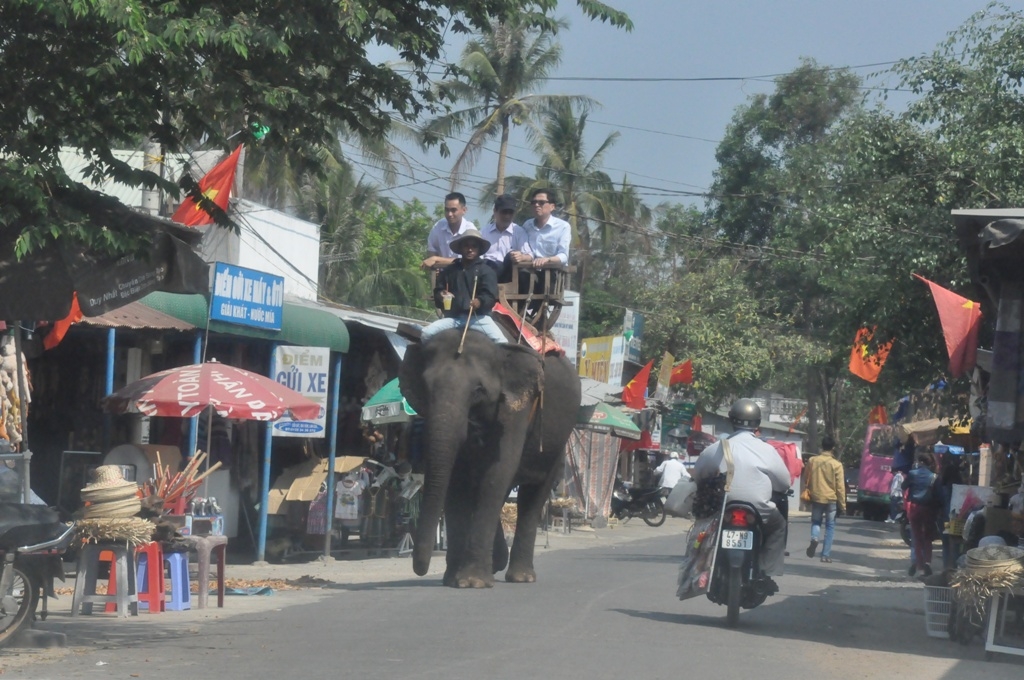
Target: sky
668	131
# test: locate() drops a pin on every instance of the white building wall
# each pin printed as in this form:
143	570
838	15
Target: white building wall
276	243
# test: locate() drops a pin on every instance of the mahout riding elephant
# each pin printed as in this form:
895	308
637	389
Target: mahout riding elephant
497	416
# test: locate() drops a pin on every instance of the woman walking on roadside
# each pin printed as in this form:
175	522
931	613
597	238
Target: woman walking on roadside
827	486
923	497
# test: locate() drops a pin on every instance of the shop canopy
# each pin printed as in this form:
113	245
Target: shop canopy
603	417
388	406
301	324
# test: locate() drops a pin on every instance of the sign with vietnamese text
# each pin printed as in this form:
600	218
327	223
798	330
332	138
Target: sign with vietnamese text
566	327
307	371
247	297
601	359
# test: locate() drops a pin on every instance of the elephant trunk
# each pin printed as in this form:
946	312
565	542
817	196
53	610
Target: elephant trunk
444	439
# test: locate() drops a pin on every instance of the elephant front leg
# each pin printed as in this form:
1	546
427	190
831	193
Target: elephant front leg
457	512
531	505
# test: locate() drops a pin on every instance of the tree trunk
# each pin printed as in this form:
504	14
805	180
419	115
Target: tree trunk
812	411
502	157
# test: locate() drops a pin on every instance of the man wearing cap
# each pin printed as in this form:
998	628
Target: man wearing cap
454	224
509	243
466	284
672	470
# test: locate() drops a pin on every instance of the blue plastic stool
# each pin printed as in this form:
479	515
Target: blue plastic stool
181	594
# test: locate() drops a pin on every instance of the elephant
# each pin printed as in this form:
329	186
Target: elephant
496	416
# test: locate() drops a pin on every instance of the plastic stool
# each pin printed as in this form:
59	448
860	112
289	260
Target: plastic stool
181	595
121	593
150	577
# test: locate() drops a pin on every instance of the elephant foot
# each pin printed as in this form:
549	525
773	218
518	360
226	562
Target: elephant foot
469	580
521	576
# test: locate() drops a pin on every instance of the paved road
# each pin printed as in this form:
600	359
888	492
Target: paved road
603	607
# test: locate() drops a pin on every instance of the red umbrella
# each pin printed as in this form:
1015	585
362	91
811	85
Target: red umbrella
186	391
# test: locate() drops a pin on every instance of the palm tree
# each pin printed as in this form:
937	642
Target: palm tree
499	73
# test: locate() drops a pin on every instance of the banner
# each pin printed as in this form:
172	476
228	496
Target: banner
307	371
601	359
664	376
566	329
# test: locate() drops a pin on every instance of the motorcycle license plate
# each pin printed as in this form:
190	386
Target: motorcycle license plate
738	540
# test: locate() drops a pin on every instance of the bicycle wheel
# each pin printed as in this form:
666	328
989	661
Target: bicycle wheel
22	601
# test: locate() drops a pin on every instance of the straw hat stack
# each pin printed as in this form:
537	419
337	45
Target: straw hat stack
110	495
1000	558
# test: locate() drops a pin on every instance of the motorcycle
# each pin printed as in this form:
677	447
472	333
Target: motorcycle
737	580
901	521
646	503
32	540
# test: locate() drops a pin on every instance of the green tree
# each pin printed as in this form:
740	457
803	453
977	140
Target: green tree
499	73
382	272
97	75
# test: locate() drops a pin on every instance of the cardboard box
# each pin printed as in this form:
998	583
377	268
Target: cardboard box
302	482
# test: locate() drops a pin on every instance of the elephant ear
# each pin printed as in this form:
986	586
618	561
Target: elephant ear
410	378
521	375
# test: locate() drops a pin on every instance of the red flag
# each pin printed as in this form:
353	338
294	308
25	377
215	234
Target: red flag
633	393
60	328
878	416
960	319
697	424
682	373
216	186
862	363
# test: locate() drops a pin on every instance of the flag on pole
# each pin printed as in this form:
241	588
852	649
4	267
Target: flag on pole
60	328
682	373
960	319
878	416
863	364
216	186
633	394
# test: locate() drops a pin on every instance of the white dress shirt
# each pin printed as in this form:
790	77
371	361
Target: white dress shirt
551	240
504	242
441	236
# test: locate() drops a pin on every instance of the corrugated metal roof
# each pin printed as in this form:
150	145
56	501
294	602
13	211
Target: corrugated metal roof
137	315
378	320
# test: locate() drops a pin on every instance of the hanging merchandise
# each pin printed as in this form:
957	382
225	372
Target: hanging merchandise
348	494
316	519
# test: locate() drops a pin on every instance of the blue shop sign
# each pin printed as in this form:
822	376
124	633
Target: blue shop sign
247	297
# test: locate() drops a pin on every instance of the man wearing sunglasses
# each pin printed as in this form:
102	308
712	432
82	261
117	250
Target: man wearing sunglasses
549	236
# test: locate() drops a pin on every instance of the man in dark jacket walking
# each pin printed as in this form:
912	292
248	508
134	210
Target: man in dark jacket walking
464	285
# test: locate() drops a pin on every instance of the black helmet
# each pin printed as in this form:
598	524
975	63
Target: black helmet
745	414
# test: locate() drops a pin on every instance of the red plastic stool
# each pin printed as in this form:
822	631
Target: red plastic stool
150	577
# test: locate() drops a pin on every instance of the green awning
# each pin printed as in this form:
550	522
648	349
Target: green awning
300	324
604	417
388	406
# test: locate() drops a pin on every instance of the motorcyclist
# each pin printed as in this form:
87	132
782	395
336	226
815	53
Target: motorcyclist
759	472
670	472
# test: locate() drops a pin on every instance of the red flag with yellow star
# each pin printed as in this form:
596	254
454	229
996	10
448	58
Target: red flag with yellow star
216	186
863	364
960	319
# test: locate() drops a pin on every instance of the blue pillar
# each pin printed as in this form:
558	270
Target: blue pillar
332	448
193	423
108	387
268	439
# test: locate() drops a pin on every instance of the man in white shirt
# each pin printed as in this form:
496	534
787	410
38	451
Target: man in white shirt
758	472
509	243
549	235
454	224
671	470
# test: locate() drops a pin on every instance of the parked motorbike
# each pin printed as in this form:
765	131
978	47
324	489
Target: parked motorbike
737	580
645	503
32	540
902	522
